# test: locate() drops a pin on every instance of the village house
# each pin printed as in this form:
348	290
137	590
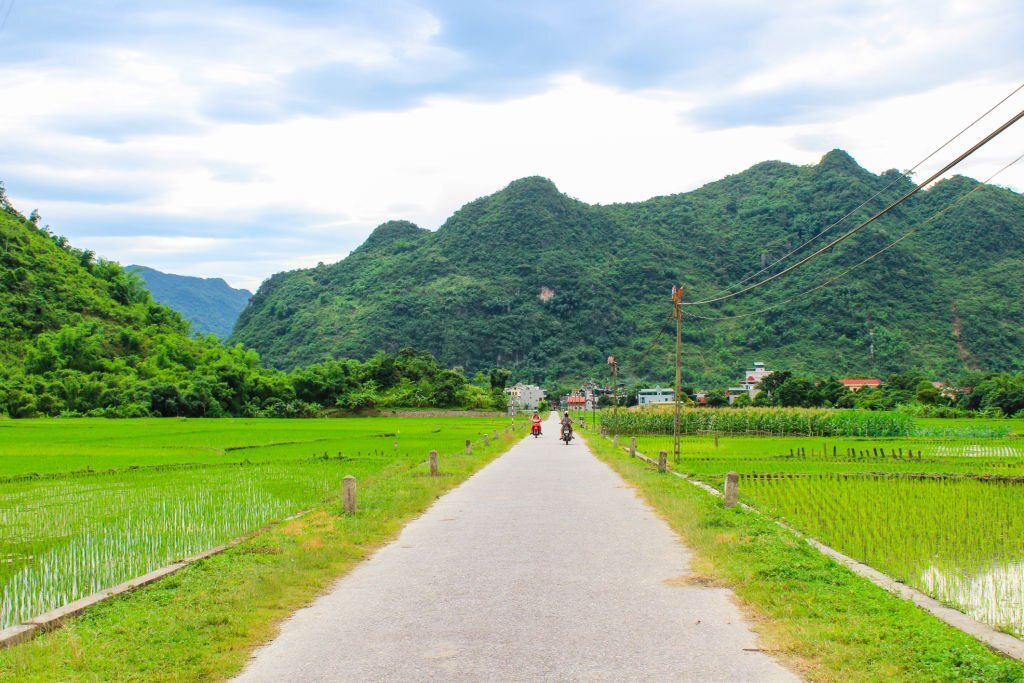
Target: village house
856	385
749	385
577	401
646	397
525	396
948	391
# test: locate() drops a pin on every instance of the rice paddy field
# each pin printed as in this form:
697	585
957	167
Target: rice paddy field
940	508
88	503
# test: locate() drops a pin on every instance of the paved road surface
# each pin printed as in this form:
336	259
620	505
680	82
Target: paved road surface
544	566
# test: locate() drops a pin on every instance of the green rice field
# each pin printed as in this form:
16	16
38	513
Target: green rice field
88	503
960	540
941	508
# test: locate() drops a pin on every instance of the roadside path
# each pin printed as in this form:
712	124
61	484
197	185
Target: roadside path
544	566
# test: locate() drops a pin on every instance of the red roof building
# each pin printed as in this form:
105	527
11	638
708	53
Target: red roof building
858	384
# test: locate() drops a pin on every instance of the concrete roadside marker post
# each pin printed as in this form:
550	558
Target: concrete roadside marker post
348	494
486	440
732	489
632	446
433	463
663	461
495	434
469	446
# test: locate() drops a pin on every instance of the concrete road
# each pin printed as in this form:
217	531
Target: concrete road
544	566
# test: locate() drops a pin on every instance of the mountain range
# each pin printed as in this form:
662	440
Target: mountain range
210	305
548	286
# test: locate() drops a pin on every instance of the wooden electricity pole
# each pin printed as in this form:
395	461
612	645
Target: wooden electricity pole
615	394
677	312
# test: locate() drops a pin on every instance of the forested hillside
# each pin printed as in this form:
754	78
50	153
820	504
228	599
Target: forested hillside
82	336
209	304
549	286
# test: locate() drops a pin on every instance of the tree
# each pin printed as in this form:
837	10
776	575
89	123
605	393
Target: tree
798	393
1004	391
742	401
926	393
772	382
499	378
832	391
5	203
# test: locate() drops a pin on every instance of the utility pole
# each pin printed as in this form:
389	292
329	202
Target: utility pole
591	389
677	312
615	394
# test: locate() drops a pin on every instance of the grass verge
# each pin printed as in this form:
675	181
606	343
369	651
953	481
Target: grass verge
202	622
812	613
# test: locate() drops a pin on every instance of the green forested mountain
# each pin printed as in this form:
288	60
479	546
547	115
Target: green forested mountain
211	305
82	336
549	286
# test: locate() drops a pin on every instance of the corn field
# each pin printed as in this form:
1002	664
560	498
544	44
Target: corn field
764	421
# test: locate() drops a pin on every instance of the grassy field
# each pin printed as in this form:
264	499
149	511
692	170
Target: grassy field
86	504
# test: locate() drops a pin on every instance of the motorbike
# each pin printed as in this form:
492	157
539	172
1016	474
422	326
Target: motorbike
535	429
566	434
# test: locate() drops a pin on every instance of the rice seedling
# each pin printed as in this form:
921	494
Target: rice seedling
53	446
65	535
959	539
937	504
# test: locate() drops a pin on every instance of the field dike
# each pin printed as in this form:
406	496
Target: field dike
55	618
1001	642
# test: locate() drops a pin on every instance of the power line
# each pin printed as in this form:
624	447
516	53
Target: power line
7	14
984	141
654	342
873	256
870	199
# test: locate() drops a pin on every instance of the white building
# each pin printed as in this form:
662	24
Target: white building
526	396
749	385
646	397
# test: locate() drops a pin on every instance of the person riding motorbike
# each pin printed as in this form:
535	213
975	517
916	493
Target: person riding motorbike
535	428
567	422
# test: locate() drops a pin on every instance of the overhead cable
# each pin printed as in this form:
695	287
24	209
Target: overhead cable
984	141
873	256
870	199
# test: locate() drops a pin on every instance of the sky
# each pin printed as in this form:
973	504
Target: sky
240	139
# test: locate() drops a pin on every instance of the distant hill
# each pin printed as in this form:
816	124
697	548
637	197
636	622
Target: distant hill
548	286
210	304
79	334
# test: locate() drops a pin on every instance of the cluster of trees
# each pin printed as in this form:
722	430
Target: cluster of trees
994	394
70	372
81	336
411	379
202	378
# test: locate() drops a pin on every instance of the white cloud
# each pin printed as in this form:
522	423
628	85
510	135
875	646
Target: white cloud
133	117
597	143
146	246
